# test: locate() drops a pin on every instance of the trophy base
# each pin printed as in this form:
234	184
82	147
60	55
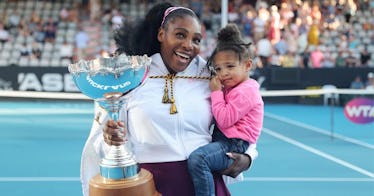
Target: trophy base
142	185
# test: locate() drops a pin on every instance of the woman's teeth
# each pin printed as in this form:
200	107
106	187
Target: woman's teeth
182	55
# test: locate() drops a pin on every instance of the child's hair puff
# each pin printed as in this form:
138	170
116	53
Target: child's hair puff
229	39
229	35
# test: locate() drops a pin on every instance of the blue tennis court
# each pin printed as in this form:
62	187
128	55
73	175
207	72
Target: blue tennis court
301	151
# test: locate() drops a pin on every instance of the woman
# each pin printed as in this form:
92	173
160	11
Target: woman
163	134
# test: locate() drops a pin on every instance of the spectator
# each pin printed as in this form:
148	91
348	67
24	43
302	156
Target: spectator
340	60
331	22
370	81
342	42
50	28
275	59
316	57
286	14
349	10
247	22
313	35
95	9
14	19
25	50
292	44
51	22
305	58
281	46
81	43
74	13
36	50
23	28
353	42
327	61
357	83
264	50
39	34
34	21
316	14
351	60
106	17
4	34
288	60
365	57
35	18
66	51
64	14
302	43
260	23
275	25
117	19
197	7
50	33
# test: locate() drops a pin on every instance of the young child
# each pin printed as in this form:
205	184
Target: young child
237	108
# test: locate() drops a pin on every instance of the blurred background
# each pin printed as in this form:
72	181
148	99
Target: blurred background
296	44
311	59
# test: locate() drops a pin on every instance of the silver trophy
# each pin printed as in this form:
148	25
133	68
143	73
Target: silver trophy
107	80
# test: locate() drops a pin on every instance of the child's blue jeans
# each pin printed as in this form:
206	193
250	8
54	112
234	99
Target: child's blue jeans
210	158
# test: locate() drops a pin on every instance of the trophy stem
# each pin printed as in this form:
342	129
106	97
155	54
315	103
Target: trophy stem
113	104
119	162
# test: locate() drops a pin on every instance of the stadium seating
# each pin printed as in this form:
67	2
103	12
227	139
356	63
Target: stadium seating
100	31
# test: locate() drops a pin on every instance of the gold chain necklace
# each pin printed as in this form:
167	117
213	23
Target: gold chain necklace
169	79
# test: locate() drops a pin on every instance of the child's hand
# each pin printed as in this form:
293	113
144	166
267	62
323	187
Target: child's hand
215	84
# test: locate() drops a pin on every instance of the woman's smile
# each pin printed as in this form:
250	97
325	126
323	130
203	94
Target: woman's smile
183	58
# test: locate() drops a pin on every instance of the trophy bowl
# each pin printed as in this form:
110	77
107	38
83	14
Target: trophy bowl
99	76
107	80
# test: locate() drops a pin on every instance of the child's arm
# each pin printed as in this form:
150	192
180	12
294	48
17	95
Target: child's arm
230	109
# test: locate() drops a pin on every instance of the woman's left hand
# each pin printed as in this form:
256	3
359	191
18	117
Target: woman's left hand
241	163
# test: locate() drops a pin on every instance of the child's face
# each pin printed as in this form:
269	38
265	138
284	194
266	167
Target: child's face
229	69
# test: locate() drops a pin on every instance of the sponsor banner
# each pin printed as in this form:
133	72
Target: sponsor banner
48	79
360	110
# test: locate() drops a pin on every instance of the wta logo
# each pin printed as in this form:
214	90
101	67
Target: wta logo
360	110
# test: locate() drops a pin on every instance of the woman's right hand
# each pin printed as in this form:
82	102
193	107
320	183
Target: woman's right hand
114	133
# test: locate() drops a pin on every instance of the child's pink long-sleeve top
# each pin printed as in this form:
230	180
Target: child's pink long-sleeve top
239	111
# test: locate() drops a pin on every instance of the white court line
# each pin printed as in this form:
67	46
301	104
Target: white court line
39	179
292	179
259	179
322	131
318	152
52	111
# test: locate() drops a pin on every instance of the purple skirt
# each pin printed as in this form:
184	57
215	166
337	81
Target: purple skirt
172	178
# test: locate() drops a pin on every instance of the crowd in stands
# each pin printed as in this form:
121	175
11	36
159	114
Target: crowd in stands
287	33
359	83
306	34
38	33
